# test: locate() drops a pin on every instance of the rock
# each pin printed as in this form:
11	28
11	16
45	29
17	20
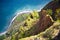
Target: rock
44	22
51	33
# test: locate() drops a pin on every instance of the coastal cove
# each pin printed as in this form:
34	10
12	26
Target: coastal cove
10	11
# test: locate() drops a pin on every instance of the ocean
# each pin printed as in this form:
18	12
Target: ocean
9	9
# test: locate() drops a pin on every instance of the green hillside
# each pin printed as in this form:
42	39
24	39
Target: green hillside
42	25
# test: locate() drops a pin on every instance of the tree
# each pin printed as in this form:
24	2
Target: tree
35	14
49	11
2	37
58	13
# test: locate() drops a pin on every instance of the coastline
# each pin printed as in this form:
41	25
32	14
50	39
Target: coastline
20	12
17	13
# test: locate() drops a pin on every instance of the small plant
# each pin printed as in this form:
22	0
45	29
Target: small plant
49	11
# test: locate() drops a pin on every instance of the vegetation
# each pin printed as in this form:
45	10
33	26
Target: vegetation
56	0
58	13
49	11
25	26
28	23
2	37
21	17
48	34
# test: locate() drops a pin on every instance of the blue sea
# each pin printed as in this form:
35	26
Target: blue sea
9	8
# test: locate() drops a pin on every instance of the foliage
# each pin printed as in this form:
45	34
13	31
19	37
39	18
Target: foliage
58	13
56	0
48	34
21	17
49	11
27	28
27	24
13	37
35	14
2	37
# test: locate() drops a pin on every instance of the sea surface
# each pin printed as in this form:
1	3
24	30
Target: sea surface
9	8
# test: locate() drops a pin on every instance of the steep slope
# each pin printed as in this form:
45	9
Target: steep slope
48	34
33	25
53	5
43	25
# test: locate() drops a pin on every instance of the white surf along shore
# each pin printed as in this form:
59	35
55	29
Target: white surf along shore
17	13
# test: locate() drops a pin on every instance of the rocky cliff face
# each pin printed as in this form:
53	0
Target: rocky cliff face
45	21
37	26
53	5
52	33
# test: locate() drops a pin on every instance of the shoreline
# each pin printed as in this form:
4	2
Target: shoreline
17	13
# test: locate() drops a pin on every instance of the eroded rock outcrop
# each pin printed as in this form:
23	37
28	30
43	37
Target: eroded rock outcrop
49	34
44	22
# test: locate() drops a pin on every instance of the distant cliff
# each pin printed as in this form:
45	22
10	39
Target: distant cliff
53	5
